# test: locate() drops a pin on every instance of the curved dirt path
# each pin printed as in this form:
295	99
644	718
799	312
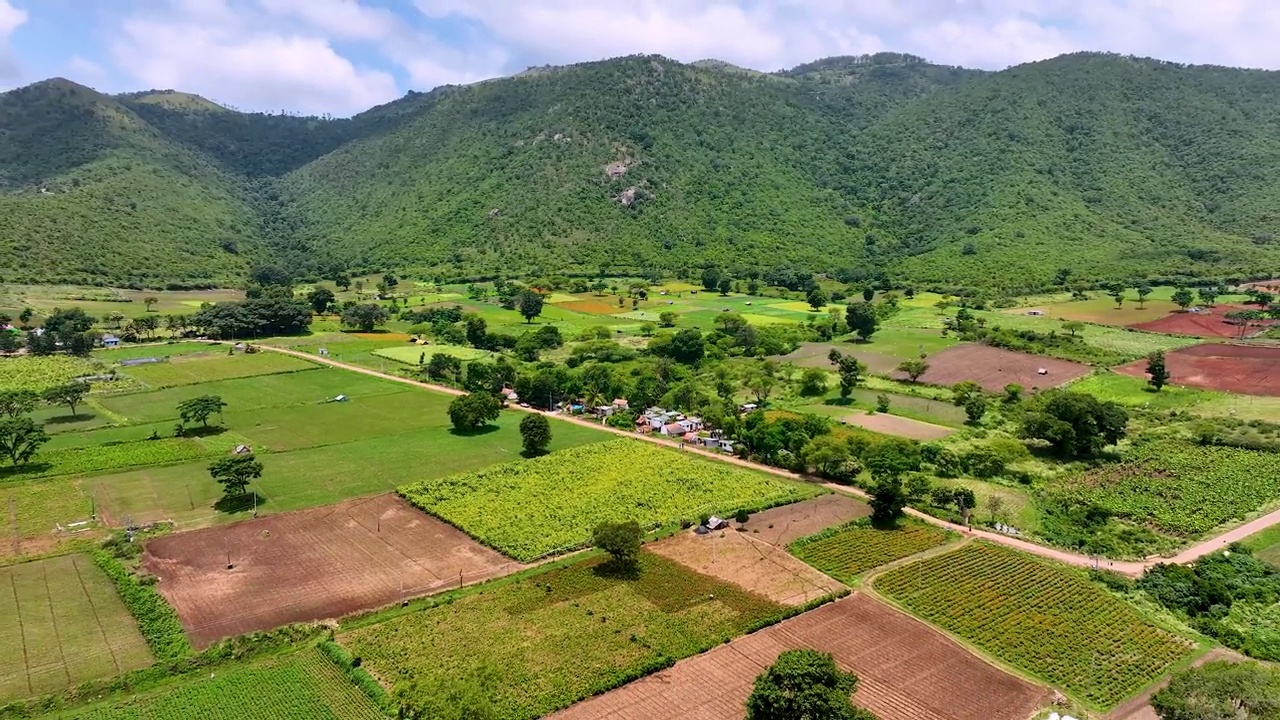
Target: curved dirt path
1130	568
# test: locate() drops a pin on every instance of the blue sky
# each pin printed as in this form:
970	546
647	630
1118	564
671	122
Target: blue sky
343	56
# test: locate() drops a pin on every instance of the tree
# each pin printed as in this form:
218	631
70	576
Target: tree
888	498
892	457
474	410
14	403
25	316
850	371
861	319
150	302
975	407
621	540
725	286
20	438
913	369
667	319
1158	374
760	382
235	472
1073	327
535	433
71	395
804	685
711	278
529	303
1221	690
364	316
115	317
687	347
813	382
444	366
1182	297
199	409
1075	424
962	391
1119	298
320	300
1143	291
868	293
882	403
817	299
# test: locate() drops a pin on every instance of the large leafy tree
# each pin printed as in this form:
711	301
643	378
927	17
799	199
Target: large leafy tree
621	540
861	319
200	409
1075	424
20	438
365	316
320	299
473	410
14	403
529	303
70	394
1157	373
535	434
849	369
804	685
235	472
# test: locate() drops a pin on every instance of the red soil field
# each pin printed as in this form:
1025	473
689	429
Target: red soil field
312	565
993	368
906	671
598	307
1244	369
1211	323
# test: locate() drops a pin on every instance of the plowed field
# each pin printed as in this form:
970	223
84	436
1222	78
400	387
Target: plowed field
993	368
1211	323
1245	369
906	671
311	565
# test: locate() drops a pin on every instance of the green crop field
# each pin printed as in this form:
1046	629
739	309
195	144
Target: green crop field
529	508
189	369
851	549
1047	621
26	372
540	644
1116	345
410	354
61	624
159	350
31	511
301	686
1198	487
92	459
320	475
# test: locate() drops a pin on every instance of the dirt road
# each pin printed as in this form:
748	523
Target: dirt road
1132	569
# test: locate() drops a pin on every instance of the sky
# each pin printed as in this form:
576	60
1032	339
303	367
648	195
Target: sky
340	57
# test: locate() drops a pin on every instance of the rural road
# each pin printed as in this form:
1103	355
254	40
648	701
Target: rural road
1129	568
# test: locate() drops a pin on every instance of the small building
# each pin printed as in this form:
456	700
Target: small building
673	429
110	341
1035	312
621	404
691	438
243	450
747	407
715	523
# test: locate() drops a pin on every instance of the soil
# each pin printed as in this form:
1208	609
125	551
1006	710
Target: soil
784	524
906	671
602	306
311	565
994	368
896	425
1244	369
754	565
1210	323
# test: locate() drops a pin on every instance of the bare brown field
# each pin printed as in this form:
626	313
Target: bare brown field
785	523
898	425
906	671
1211	323
1244	369
751	564
312	565
994	368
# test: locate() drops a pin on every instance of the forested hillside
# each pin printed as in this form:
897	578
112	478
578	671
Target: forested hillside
883	166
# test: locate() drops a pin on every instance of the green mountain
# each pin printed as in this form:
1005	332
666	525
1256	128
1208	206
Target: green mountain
883	165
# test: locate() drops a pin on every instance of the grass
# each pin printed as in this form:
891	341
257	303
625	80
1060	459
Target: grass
1265	545
550	504
61	624
1135	392
1123	343
157	350
847	551
1046	620
1017	507
410	354
30	513
190	369
101	302
540	644
304	685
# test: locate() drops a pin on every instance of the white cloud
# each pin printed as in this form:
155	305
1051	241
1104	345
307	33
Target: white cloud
339	18
85	72
10	18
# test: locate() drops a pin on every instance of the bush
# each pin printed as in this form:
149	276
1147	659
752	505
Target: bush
621	540
742	516
157	622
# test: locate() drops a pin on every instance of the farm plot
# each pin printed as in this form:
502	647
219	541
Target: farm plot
61	624
32	512
896	425
91	459
993	368
815	355
751	564
1244	369
38	373
300	686
1182	489
847	551
544	642
531	508
190	369
314	564
782	524
411	354
1048	621
1210	323
906	671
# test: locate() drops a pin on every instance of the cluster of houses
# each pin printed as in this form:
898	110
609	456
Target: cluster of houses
687	428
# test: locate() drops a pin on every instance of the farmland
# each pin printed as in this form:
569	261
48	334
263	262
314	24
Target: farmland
301	686
192	368
1209	323
847	551
62	624
549	504
411	354
1249	370
33	510
1047	621
26	372
1198	487
310	565
906	671
539	644
993	368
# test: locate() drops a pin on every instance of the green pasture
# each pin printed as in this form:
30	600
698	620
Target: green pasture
411	354
1135	392
293	427
191	369
321	475
1126	344
908	406
157	350
1265	545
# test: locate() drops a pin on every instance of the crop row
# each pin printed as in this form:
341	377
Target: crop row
302	686
1183	489
112	456
856	547
533	507
1047	621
